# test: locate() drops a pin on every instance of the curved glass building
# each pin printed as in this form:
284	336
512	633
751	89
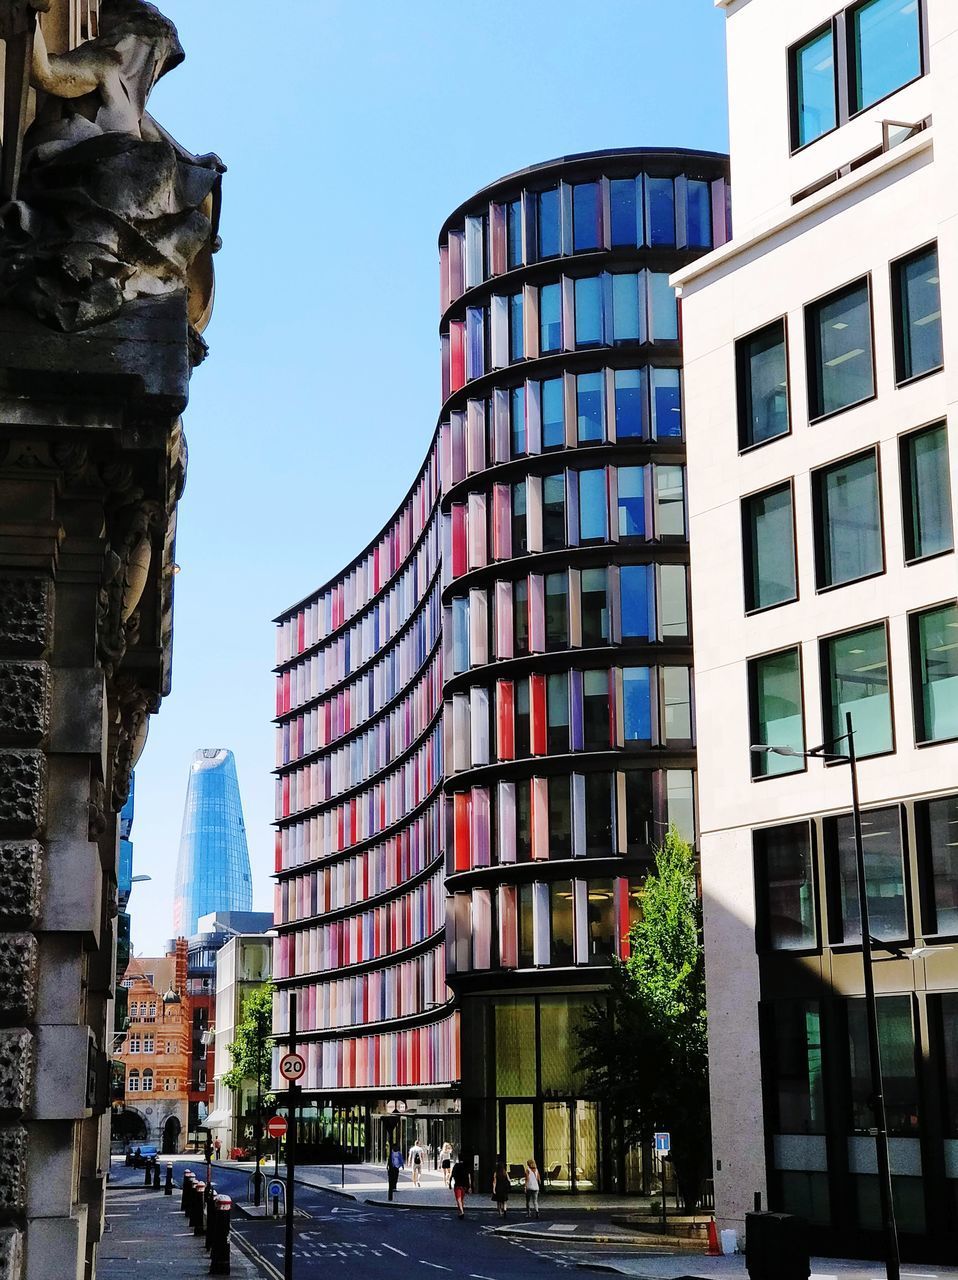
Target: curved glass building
567	648
212	869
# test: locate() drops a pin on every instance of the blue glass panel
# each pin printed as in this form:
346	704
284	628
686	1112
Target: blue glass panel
661	210
514	253
553	415
887	48
550	318
629	403
590	407
475	356
460	635
631	502
593	523
698	214
585	216
635	585
625	308
814	76
517	414
666	404
625	208
516	343
637	704
665	316
588	312
549	237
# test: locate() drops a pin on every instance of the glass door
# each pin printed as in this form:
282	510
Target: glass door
516	1136
557	1162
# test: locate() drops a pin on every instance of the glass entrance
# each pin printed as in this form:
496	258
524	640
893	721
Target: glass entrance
517	1135
557	1145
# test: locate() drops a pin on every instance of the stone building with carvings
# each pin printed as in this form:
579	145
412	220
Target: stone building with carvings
99	332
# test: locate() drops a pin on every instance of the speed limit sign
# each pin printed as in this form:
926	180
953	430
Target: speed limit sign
292	1066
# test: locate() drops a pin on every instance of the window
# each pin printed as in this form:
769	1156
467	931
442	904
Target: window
133	1044
557	610
553	414
639	822
601	922
885	40
665	315
637	611
673	602
520	538
516	340
884	876
626	211
148	1081
680	802
169	1084
629	404
848	531
631	502
948	1026
794	1050
593	505
626	324
598	815
133	1081
762	373
666	404
553	512
813	88
557	701
785	887
926	493
896	1040
520	617
549	239
585	216
550	318
561	905
588	312
148	1044
595	607
595	707
460	635
838	335
855	680
560	818
514	254
775	705
917	303
769	542
661	218
698	219
669	502
636	706
526	922
517	421
523	739
590	407
936	822
934	661
676	684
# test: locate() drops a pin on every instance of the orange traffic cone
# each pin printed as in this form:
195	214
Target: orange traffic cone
714	1249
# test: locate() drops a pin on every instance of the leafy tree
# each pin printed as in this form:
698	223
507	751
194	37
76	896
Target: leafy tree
645	1051
251	1050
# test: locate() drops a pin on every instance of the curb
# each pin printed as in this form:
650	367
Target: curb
255	1256
517	1233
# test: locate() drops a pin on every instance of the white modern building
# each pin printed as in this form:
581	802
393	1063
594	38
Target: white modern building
243	965
820	387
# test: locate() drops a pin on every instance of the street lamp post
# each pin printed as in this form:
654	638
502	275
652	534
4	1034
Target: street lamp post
258	1131
892	1256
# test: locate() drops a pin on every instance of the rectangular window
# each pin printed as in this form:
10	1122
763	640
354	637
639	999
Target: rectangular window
595	710
516	338
676	684
588	312
520	537
884	876
595	607
937	826
637	706
762	374
785	887
768	536
557	715
813	88
460	635
680	802
855	679
848	533
598	815
698	220
669	499
776	713
917	301
526	930
590	407
593	505
896	1041
626	212
673	602
601	922
666	404
514	249
639	821
520	616
794	1050
585	216
560	817
629	404
926	493
523	727
553	512
553	413
661	212
557	610
563	922
885	38
665	314
550	318
626	326
517	416
636	604
838	335
549	234
934	663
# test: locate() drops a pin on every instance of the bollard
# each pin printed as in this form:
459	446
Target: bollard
156	1173
185	1197
168	1189
220	1250
196	1221
147	1176
275	1198
209	1201
129	1158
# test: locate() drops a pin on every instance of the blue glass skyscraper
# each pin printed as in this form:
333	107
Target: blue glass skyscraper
212	870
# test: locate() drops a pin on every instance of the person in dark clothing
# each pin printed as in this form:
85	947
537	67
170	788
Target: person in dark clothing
500	1188
460	1184
394	1163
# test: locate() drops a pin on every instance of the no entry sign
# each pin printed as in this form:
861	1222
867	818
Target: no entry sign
276	1127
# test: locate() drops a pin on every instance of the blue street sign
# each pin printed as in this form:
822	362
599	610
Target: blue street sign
663	1144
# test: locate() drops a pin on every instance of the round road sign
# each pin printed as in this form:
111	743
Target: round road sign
292	1066
276	1127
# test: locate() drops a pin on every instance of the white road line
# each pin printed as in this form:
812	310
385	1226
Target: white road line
475	1277
437	1265
394	1249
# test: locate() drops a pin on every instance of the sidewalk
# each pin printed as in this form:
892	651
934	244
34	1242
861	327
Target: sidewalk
693	1267
146	1231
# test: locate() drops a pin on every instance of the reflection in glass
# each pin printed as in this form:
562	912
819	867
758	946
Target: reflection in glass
935	657
786	886
813	74
665	315
585	216
856	674
560	817
601	922
516	337
517	417
598	815
938	848
680	802
549	240
557	610
514	253
919	323
631	500
563	928
515	1056
629	404
520	617
595	607
886	44
557	703
593	507
625	212
550	318
669	502
588	312
769	548
553	414
673	602
775	684
639	823
636	706
637	612
840	371
884	874
520	538
896	1041
699	214
796	1068
661	201
590	407
595	710
625	309
762	385
926	493
553	512
666	404
677	700
849	521
523	748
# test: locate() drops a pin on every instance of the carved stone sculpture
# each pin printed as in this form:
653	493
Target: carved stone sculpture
110	208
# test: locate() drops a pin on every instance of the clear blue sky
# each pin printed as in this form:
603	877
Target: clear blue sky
351	128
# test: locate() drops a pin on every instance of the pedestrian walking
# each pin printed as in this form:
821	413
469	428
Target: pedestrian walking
217	1148
445	1162
501	1188
460	1184
416	1157
394	1163
532	1188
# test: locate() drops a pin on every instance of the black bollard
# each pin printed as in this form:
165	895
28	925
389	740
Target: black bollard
128	1161
185	1197
168	1188
156	1174
220	1250
210	1202
147	1175
196	1221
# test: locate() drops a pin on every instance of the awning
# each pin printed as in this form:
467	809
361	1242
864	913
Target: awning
216	1118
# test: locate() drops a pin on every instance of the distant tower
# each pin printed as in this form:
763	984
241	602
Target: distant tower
212	871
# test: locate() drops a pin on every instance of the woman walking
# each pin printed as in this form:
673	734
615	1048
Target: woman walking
500	1188
460	1184
532	1188
445	1162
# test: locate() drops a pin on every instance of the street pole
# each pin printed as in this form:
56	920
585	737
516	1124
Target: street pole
258	1176
892	1258
291	1147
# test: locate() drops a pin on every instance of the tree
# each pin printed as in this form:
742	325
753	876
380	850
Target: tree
645	1050
250	1051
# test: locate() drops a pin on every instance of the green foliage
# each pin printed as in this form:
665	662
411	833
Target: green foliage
251	1050
645	1052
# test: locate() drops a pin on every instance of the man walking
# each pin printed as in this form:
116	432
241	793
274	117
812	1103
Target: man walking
394	1163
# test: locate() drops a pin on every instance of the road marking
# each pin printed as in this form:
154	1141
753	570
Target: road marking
394	1249
475	1277
560	1227
437	1265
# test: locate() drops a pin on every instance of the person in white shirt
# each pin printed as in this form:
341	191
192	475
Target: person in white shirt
532	1188
416	1157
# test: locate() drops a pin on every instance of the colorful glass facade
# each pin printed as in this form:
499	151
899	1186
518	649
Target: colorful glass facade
212	870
